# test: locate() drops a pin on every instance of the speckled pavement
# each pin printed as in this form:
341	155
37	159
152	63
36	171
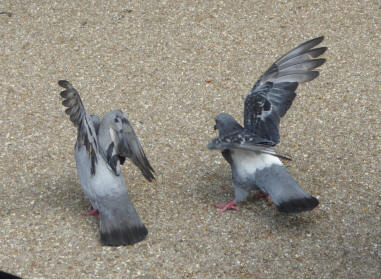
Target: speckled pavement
172	66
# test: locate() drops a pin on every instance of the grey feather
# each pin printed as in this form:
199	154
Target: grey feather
116	128
233	136
304	64
238	141
283	190
96	122
274	92
301	49
100	176
252	170
78	115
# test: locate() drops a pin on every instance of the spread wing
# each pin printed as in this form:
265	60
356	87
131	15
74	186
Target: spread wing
78	115
273	94
126	144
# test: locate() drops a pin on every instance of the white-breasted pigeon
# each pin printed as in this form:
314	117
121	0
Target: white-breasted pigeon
249	149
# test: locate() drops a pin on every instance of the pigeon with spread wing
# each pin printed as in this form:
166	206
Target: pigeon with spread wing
249	149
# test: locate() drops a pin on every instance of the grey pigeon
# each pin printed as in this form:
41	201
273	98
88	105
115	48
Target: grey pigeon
249	149
101	147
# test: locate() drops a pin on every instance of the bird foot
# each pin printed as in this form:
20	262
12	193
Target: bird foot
92	212
229	205
261	194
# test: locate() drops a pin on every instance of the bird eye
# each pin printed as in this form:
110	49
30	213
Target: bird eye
116	120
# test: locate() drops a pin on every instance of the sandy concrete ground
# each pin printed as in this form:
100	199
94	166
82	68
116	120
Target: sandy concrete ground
172	67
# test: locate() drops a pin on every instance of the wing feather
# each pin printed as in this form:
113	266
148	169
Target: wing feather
245	141
79	116
273	94
129	146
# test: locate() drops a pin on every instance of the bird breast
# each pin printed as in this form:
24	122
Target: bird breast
248	162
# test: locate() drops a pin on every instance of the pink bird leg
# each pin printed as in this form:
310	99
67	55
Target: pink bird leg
261	194
229	205
92	212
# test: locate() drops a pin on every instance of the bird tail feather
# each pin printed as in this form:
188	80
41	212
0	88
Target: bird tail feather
283	190
120	224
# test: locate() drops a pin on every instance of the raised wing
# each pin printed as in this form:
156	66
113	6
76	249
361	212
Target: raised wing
78	115
273	94
245	141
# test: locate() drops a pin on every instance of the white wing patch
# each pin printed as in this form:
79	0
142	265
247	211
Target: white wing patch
112	134
249	162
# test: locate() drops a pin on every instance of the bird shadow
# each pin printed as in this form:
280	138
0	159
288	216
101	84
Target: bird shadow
214	186
64	195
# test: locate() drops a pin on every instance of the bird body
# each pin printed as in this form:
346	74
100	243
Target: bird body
102	184
248	163
256	170
249	149
101	147
120	224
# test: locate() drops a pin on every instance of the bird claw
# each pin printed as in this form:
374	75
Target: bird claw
261	194
229	205
92	212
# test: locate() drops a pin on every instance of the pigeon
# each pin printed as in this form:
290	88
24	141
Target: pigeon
101	147
250	149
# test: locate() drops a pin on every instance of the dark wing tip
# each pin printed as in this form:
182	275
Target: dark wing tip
148	175
311	75
323	49
65	94
122	159
318	62
65	84
144	165
70	90
125	236
314	42
318	39
298	205
283	156
212	145
316	52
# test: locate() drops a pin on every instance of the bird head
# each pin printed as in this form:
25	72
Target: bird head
116	126
225	124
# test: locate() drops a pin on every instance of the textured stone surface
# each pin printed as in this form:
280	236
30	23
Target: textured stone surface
172	66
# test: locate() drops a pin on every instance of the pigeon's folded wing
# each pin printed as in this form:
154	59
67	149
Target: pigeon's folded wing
126	144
